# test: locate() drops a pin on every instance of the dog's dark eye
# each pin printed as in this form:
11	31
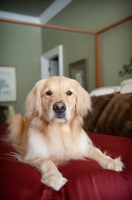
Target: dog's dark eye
69	93
49	93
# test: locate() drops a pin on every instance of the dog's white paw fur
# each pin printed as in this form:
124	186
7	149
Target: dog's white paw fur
56	182
113	164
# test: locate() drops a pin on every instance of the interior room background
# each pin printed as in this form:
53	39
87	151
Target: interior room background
21	46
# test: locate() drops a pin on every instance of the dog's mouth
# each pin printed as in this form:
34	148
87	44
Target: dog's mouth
59	117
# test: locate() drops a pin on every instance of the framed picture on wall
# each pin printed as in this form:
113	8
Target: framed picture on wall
79	73
8	85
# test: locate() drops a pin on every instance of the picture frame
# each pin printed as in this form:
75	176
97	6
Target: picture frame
79	73
8	85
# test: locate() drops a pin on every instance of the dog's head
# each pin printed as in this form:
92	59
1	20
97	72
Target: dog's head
57	99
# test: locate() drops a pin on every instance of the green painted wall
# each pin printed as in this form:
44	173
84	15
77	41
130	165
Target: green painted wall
76	46
116	51
20	46
115	44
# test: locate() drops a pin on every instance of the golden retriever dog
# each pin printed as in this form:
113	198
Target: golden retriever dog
51	130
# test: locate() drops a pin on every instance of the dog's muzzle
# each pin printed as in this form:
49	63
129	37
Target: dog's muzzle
59	110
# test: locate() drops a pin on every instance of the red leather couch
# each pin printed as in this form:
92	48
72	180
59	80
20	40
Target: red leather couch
86	179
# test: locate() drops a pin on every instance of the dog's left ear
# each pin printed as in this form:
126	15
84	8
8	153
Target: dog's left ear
83	103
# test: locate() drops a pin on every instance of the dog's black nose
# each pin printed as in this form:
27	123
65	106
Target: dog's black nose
59	107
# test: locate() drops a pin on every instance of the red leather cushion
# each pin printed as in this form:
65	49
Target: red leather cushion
86	179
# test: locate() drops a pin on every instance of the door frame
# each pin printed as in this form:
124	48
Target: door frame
45	61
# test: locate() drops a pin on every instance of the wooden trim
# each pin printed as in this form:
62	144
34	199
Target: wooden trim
48	26
98	67
115	24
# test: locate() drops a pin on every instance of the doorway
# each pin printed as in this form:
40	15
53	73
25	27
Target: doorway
52	62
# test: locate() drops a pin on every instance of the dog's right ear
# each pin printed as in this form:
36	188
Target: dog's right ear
33	100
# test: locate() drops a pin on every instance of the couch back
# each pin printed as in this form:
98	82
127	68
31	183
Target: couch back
111	114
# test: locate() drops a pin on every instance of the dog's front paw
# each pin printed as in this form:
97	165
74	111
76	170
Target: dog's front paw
56	182
114	164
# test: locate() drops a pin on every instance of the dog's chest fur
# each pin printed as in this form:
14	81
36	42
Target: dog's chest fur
59	141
